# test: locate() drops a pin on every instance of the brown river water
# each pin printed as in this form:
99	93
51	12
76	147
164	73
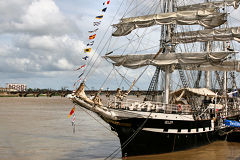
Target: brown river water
38	129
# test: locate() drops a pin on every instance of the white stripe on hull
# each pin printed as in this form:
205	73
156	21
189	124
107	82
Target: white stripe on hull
183	131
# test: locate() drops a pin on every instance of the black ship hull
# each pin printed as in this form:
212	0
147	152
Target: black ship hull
159	133
234	136
154	141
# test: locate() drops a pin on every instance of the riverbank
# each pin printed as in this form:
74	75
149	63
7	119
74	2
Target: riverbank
29	95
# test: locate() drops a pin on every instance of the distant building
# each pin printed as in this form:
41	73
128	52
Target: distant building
18	87
7	90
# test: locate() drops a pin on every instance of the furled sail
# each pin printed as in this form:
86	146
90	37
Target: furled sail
216	4
207	18
137	61
222	34
196	91
231	65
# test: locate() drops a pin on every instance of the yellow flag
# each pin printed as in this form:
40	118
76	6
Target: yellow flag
87	50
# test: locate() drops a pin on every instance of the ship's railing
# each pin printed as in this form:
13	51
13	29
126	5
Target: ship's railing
148	106
233	109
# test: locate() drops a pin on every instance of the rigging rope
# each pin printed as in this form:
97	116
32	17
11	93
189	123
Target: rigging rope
140	40
105	45
106	78
100	43
97	120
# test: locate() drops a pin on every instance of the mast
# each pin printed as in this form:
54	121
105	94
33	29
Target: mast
167	84
165	35
225	73
225	83
168	49
207	73
225	90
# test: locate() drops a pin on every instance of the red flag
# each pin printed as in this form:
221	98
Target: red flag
80	67
107	2
92	36
71	112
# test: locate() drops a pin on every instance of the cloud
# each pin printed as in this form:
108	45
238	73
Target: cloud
44	45
63	63
42	53
40	43
38	18
10	10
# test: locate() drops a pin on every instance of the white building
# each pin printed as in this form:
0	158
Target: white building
7	90
16	86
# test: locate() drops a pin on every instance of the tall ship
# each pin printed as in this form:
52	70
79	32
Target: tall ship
188	50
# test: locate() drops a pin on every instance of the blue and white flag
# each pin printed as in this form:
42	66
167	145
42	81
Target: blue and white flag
232	123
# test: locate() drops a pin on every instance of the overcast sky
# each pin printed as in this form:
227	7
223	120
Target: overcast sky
42	41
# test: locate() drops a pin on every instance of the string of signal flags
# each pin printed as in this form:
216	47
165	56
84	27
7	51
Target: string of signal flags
85	57
91	38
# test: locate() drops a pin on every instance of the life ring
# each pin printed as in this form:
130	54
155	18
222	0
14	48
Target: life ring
179	107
